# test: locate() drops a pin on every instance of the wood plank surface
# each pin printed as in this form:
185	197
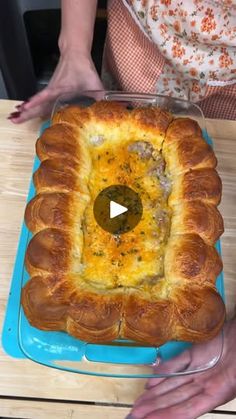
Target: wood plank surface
23	378
49	410
26	409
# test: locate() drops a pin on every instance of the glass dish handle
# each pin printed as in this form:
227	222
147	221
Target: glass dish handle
140	362
117	354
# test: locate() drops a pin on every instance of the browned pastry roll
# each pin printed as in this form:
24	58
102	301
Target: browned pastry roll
152	284
60	175
197	217
57	210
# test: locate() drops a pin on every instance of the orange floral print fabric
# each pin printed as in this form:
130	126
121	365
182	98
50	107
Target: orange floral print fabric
197	39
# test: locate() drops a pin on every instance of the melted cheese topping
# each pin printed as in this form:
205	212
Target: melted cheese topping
136	257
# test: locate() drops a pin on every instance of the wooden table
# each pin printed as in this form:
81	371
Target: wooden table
28	390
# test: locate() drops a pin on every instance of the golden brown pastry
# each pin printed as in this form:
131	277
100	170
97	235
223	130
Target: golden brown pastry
152	284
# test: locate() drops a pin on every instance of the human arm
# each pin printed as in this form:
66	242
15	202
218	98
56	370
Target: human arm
75	70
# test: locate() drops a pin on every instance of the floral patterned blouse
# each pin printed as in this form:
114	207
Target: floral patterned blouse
197	39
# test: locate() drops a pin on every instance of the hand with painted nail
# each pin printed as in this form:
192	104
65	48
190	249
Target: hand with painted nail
73	73
189	397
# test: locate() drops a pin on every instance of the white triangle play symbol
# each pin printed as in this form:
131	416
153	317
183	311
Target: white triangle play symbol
116	209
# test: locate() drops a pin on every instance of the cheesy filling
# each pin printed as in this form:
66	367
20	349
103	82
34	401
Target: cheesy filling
135	258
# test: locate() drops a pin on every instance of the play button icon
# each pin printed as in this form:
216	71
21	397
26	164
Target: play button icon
118	209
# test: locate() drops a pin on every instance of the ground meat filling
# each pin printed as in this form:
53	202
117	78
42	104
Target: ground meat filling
97	140
142	148
163	223
146	151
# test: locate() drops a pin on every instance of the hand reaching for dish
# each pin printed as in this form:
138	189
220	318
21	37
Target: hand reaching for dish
72	73
190	396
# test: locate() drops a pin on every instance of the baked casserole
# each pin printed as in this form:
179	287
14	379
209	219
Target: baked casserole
152	284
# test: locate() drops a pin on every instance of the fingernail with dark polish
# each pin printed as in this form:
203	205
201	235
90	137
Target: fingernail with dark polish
129	417
14	115
21	105
25	102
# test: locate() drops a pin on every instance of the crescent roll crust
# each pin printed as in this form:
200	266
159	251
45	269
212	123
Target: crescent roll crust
57	210
197	217
200	184
152	284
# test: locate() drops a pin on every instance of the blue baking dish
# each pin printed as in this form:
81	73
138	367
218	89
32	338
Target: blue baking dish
62	351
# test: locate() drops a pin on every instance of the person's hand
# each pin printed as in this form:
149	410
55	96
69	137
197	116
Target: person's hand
74	73
189	397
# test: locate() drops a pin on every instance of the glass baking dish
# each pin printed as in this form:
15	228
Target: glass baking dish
119	358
